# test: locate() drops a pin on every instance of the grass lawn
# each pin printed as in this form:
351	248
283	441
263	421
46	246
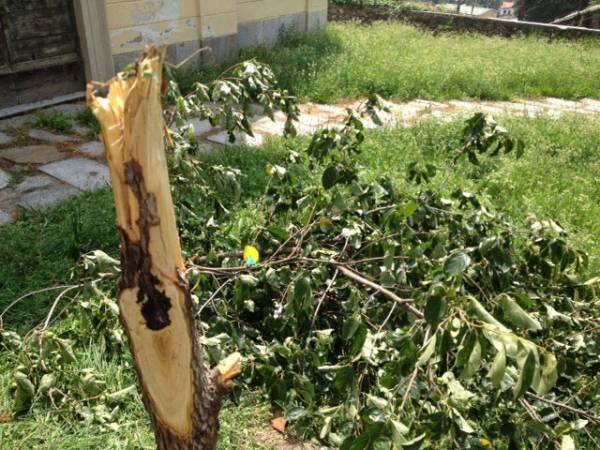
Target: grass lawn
404	62
557	178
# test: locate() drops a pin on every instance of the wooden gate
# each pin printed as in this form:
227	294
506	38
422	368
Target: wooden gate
39	56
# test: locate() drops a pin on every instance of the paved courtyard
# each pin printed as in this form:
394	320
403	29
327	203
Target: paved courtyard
40	168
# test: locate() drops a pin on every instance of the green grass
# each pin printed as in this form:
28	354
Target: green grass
39	252
404	62
56	121
87	118
557	178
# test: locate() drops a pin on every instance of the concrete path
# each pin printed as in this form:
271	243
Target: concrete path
40	168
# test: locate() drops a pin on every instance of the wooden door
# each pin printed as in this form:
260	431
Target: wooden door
39	55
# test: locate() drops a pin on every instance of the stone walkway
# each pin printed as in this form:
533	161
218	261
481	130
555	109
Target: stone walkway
40	168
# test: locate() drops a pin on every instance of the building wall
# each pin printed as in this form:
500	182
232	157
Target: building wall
223	25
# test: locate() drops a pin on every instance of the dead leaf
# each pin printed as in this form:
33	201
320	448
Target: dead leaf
278	422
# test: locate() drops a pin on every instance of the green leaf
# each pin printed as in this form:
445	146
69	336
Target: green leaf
498	367
399	430
567	443
249	280
461	422
350	326
295	413
302	296
24	393
66	352
48	381
457	264
330	177
343	379
377	402
435	309
120	396
482	314
517	315
358	339
549	375
280	233
474	361
356	443
526	377
579	424
427	352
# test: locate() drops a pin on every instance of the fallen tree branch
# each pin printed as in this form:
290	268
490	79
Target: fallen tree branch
579	412
404	302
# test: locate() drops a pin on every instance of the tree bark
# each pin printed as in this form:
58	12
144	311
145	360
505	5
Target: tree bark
180	393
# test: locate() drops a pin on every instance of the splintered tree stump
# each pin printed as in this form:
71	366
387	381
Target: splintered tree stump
181	395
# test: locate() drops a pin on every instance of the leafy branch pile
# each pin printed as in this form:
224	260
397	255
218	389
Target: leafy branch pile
372	318
381	319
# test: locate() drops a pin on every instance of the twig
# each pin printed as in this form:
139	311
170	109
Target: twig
388	317
327	289
566	407
405	303
411	381
189	58
591	438
474	283
222	255
14	302
53	307
212	297
530	410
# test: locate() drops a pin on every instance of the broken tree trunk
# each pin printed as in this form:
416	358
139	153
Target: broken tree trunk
180	393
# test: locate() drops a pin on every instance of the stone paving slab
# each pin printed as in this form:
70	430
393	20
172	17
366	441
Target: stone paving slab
7	199
69	109
562	103
44	199
5	218
265	125
47	136
201	127
81	173
82	130
17	121
32	154
222	138
34	183
591	104
95	149
4	138
4	179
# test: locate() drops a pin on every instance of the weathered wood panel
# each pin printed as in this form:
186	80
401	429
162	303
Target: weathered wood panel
11	6
3	48
25	87
39	56
35	49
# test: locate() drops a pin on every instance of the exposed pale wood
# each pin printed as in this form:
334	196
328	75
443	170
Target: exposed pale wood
180	393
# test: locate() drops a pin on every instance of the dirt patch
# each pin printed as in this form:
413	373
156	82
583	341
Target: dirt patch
274	440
